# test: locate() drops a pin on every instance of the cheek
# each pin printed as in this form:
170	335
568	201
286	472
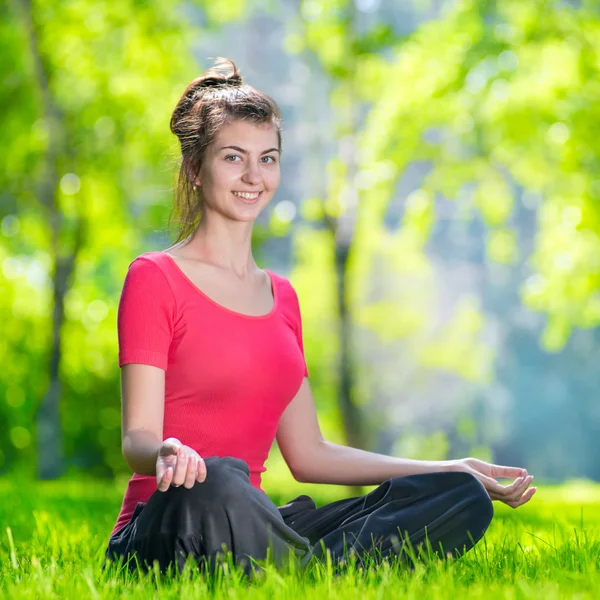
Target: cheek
272	179
222	178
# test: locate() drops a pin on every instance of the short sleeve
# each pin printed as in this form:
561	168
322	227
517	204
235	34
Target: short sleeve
298	328
145	315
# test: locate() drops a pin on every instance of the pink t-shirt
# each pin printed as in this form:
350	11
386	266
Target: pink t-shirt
228	376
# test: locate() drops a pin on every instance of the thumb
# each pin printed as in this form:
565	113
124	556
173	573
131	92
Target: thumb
170	446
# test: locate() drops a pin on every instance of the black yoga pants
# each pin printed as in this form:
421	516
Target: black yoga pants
225	513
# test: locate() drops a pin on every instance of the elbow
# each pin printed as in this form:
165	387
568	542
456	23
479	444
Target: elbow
299	476
307	470
298	472
140	454
139	467
129	459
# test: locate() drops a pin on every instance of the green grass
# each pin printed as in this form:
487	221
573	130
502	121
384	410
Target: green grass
54	535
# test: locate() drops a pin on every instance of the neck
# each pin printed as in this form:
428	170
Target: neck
224	243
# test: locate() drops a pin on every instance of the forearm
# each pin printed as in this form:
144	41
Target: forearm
343	465
140	450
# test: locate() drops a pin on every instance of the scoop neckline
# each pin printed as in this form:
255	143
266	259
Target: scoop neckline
224	308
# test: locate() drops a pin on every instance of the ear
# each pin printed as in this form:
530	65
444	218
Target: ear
196	182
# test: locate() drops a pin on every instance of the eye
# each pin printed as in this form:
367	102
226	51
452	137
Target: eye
232	156
273	160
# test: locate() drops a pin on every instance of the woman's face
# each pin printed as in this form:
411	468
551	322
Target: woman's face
240	171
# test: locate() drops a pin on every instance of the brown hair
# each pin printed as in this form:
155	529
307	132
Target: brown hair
210	101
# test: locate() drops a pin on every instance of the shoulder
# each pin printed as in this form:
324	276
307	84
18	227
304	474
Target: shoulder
281	281
151	261
285	289
152	265
150	271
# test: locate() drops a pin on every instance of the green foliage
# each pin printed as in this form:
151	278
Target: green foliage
114	72
314	277
512	92
498	99
513	97
396	97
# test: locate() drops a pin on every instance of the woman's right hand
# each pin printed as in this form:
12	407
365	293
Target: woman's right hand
178	464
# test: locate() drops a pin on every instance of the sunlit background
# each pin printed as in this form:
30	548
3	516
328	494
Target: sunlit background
439	216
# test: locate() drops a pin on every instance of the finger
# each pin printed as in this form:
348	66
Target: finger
201	473
491	485
165	481
512	489
525	498
170	446
522	488
519	488
504	499
180	468
192	470
520	501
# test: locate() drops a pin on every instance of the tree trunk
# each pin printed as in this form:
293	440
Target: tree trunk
351	413
49	430
344	229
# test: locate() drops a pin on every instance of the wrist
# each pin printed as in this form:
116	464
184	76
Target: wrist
451	465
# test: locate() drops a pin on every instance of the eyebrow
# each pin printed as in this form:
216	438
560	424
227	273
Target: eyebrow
246	151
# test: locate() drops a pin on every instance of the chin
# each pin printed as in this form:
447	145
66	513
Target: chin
246	217
248	213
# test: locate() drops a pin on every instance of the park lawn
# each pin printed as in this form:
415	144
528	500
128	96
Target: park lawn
54	535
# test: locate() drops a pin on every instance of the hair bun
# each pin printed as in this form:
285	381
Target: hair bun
223	73
219	81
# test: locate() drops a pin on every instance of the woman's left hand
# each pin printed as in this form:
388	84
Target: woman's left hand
515	494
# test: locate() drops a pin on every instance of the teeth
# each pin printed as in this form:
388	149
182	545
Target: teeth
247	195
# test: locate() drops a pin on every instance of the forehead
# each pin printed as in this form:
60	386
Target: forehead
247	135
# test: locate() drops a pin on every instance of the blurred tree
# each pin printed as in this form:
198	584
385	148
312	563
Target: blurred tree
67	235
500	98
491	105
329	30
353	56
496	101
88	90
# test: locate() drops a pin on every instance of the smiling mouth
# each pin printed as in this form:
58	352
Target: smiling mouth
247	196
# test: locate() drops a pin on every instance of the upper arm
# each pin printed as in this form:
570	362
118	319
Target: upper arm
146	316
298	325
145	323
143	399
298	432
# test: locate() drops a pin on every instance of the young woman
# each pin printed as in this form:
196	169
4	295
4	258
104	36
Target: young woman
213	370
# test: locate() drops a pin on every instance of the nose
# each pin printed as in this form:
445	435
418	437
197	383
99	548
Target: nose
252	174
